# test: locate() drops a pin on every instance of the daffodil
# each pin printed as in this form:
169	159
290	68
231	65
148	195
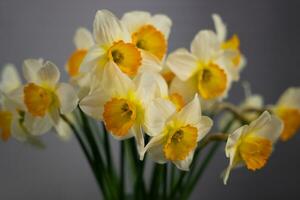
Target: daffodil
204	70
14	121
121	102
149	33
251	145
175	134
230	46
43	95
113	44
288	110
83	41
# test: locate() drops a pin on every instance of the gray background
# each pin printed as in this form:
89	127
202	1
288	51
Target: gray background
269	31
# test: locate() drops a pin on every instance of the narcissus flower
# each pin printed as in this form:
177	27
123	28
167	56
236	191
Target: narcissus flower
175	134
230	46
44	96
288	110
149	33
203	71
113	44
251	145
121	102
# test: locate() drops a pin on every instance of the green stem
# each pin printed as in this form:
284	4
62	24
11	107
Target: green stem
107	149
122	170
165	179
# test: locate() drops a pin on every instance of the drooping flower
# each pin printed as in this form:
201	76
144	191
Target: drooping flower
251	145
288	110
113	44
43	95
203	71
230	46
175	134
149	33
121	102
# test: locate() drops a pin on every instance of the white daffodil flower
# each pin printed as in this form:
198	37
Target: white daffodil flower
203	71
230	46
83	41
43	95
288	110
121	102
113	44
251	145
149	33
175	134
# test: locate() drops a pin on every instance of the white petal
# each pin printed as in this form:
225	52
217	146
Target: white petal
204	127
290	98
115	81
205	45
10	79
255	101
220	27
93	104
31	68
49	74
233	139
135	19
260	122
182	63
187	89
163	23
149	63
54	115
37	125
190	114
185	164
63	130
271	130
17	131
67	98
93	58
108	29
156	115
139	138
83	38
155	149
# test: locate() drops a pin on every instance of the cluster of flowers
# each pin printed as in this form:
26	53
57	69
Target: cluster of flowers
121	74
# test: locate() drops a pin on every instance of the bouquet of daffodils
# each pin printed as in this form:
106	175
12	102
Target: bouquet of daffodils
123	86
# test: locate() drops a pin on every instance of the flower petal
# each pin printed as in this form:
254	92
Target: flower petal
233	139
290	98
83	39
135	19
10	79
156	115
37	125
155	149
67	98
185	164
115	81
205	45
271	130
108	29
190	114
139	138
31	68
63	130
187	89
260	122
220	27
204	127
149	62
163	23
49	74
182	63
93	58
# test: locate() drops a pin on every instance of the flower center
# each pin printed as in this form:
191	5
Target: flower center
291	121
180	143
177	100
119	116
212	81
168	76
74	62
255	151
5	123
37	99
150	39
126	56
233	44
